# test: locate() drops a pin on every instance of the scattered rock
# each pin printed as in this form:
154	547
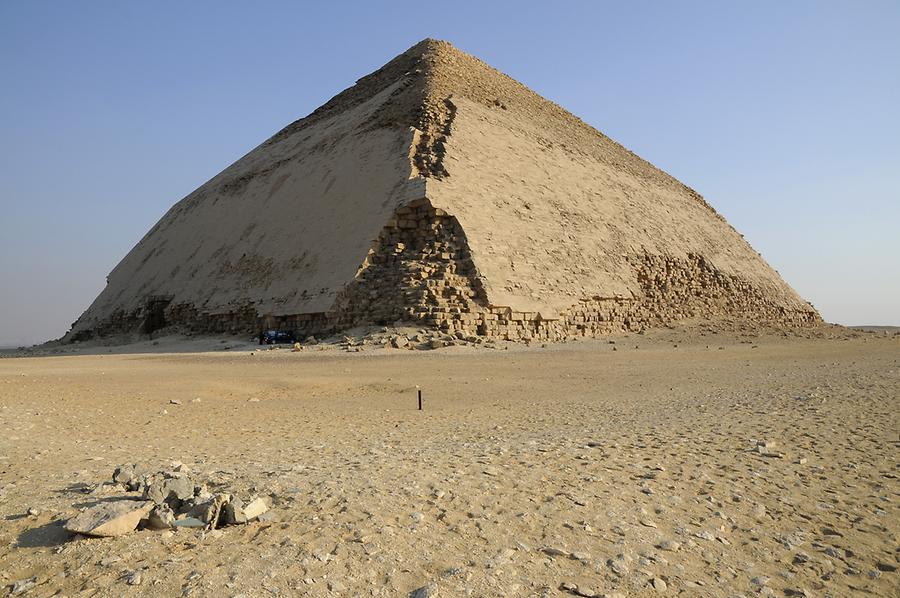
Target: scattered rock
209	509
801	558
170	499
108	489
336	586
167	488
766	448
190	522
111	518
161	517
22	586
584	557
659	584
234	512
669	545
619	566
428	591
255	508
128	476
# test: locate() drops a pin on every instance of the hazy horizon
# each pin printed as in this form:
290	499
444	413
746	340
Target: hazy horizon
782	116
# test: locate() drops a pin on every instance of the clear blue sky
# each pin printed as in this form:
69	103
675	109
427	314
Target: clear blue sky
784	115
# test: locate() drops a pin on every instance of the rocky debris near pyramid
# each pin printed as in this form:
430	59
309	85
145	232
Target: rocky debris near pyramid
440	192
139	499
109	519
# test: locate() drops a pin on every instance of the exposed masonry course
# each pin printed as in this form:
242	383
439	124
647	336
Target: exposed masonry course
330	225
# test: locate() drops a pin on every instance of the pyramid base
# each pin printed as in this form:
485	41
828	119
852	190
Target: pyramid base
420	270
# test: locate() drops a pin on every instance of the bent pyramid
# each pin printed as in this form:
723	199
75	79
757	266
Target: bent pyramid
439	191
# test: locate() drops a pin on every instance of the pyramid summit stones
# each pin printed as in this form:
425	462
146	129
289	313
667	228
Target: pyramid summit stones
439	191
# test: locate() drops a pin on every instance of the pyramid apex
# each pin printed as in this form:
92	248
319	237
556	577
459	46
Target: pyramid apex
434	43
431	51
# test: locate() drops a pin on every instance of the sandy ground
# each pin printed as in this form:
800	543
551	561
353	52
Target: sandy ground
530	472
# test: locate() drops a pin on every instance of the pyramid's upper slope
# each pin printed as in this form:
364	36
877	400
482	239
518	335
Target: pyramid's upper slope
433	70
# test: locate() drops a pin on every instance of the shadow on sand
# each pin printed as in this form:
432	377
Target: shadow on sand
50	534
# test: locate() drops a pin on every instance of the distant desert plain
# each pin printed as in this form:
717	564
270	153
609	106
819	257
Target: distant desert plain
681	462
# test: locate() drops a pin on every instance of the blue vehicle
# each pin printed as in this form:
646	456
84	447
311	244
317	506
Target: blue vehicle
274	337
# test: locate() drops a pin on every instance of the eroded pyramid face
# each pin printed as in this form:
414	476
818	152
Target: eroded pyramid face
440	191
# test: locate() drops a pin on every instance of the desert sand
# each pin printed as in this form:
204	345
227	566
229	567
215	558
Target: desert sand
675	463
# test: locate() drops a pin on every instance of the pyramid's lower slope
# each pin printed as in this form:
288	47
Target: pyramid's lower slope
281	231
440	191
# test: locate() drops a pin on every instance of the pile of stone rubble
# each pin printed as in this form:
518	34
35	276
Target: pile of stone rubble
161	500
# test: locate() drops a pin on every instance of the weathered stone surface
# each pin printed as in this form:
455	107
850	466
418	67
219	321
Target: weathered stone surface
161	517
166	489
190	522
427	591
123	474
130	476
234	512
210	510
255	508
625	247
22	586
110	518
669	545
